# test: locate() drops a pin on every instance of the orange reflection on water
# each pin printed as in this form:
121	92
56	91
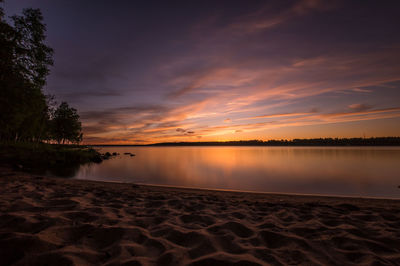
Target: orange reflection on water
313	170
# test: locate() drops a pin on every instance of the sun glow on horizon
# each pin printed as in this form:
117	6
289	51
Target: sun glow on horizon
227	70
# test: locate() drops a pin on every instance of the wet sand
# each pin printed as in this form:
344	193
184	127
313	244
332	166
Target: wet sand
50	221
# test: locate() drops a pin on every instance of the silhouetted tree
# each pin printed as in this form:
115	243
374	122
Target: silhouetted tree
66	125
24	65
34	57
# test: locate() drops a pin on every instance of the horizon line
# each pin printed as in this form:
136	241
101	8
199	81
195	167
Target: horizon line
355	141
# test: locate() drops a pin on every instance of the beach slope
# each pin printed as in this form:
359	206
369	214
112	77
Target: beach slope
49	221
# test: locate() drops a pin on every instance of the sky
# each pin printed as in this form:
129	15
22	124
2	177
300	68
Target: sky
143	72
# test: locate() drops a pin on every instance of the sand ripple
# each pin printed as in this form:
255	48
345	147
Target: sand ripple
46	221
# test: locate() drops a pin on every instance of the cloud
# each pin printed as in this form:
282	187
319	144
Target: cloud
245	90
249	81
180	92
117	116
141	122
165	133
261	69
91	93
268	17
361	90
187	132
312	119
363	112
360	106
277	115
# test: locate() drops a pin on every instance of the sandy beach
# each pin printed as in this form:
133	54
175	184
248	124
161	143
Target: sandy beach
50	221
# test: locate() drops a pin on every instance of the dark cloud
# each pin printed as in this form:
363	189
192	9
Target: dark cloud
79	94
180	92
120	111
186	132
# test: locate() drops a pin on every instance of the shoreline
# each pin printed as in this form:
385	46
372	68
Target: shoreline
333	196
183	188
83	222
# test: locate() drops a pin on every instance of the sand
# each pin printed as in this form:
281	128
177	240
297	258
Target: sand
50	221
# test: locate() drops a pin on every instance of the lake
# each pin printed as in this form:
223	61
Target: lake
346	171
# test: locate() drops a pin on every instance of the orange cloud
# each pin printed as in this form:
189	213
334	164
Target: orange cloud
236	80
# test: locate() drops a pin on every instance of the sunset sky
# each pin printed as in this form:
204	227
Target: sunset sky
160	71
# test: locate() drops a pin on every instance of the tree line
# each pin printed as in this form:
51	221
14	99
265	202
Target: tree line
380	141
26	113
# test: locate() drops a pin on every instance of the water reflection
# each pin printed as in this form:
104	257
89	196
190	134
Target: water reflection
362	171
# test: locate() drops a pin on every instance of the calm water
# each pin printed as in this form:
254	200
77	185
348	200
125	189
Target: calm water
351	171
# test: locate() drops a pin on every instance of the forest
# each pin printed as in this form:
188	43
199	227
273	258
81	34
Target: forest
379	141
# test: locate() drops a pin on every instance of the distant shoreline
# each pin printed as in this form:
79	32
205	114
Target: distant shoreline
325	142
